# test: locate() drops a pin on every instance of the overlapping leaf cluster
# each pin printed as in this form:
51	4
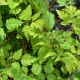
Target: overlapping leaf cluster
29	47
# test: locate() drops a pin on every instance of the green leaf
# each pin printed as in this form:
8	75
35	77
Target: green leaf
13	24
16	65
36	16
78	49
30	78
49	20
2	60
4	77
51	77
8	47
48	68
63	15
73	49
27	59
4	52
41	54
12	4
16	10
26	14
14	72
25	69
40	23
34	5
3	2
36	69
77	13
65	45
41	76
1	23
70	61
17	55
50	54
62	2
2	34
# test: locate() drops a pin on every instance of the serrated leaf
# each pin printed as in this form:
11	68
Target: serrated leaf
28	59
15	10
12	4
49	20
17	55
73	49
5	77
63	15
49	54
41	54
77	13
26	14
34	5
13	24
25	69
65	45
41	76
36	68
15	65
38	24
71	60
48	68
61	2
51	77
78	49
3	2
8	47
4	52
2	34
30	78
36	16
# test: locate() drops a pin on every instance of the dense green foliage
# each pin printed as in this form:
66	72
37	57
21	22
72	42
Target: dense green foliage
30	49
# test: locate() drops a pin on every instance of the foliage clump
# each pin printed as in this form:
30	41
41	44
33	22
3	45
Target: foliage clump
30	47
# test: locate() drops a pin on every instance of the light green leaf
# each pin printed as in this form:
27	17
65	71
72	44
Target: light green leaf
3	2
49	20
62	2
15	65
73	49
25	69
5	77
26	14
2	60
36	69
65	45
49	54
78	49
27	59
48	68
63	15
38	24
8	47
13	24
41	76
77	13
30	78
51	77
2	34
41	54
17	55
12	4
15	10
36	16
4	52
